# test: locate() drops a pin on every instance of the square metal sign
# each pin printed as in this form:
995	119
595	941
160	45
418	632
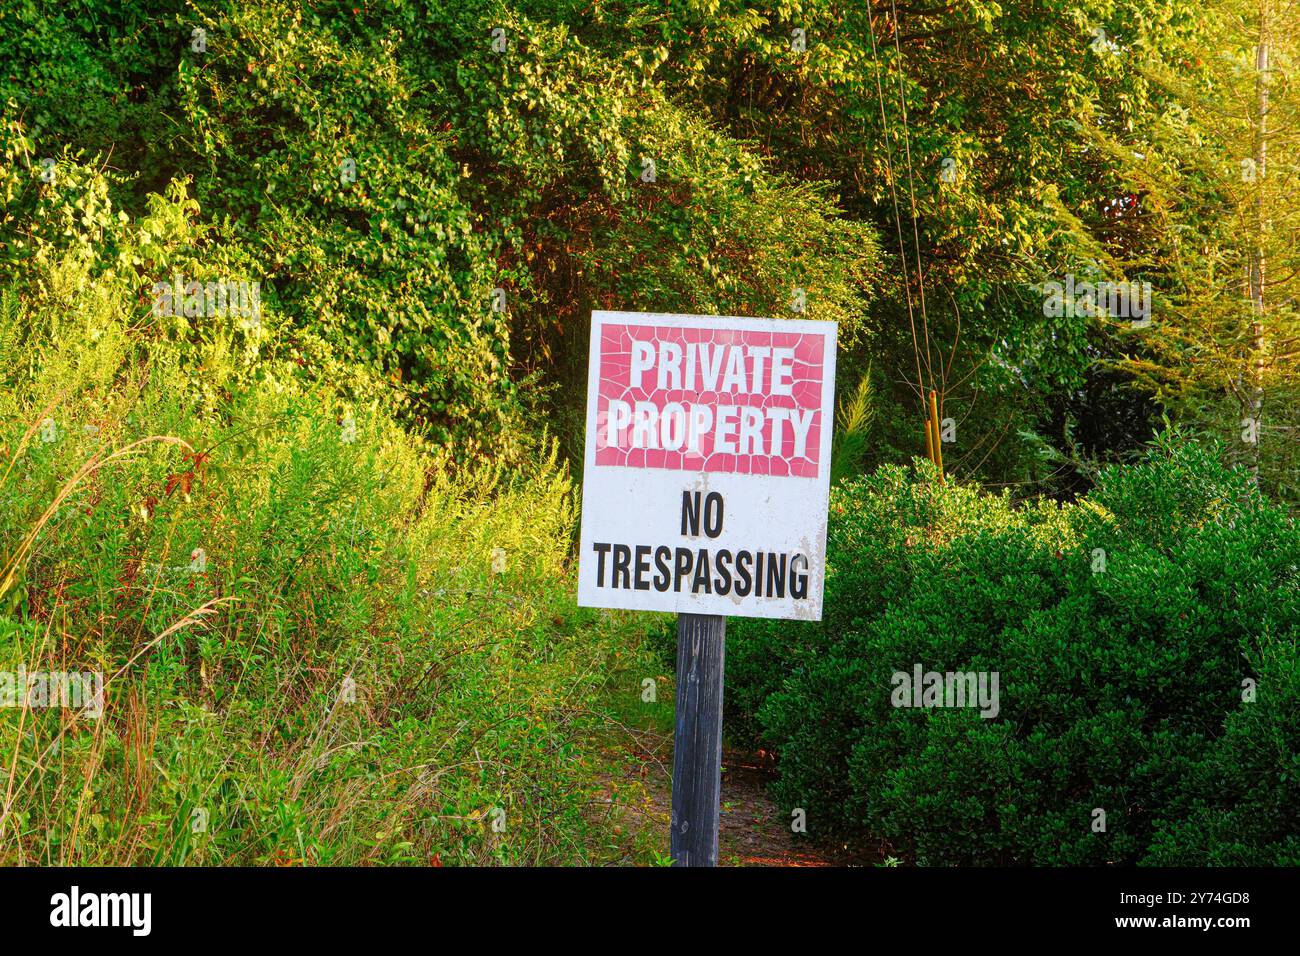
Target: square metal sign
707	469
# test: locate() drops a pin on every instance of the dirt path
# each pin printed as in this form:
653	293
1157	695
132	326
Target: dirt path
752	830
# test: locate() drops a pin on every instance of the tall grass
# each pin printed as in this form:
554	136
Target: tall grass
317	647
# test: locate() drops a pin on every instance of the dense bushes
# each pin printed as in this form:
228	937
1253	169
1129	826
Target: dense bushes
433	216
1122	629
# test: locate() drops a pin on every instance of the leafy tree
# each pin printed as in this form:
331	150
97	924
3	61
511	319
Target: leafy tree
1222	185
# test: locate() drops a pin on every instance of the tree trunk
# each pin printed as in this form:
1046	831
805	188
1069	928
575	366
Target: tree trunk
1257	260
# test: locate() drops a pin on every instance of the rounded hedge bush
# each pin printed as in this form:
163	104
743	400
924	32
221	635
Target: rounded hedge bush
1144	639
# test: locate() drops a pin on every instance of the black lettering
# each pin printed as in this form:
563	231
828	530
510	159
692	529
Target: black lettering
662	557
690	514
601	548
643	567
684	559
702	574
622	558
798	577
712	514
722	585
743	560
775	576
758	574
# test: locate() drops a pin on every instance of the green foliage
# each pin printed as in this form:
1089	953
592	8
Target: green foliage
1120	689
560	135
778	169
311	651
780	175
476	169
389	268
1018	100
852	428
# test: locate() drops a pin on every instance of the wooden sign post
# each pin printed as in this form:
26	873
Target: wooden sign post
705	489
697	739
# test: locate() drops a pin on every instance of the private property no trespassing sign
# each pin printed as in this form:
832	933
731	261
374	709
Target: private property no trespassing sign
707	469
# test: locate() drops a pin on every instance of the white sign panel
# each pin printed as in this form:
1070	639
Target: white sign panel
708	460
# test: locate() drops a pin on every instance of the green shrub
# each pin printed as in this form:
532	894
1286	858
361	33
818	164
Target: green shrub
473	169
1121	688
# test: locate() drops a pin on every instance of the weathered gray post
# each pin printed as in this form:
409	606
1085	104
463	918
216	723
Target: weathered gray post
697	740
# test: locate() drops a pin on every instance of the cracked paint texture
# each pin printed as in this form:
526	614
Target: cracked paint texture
698	407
